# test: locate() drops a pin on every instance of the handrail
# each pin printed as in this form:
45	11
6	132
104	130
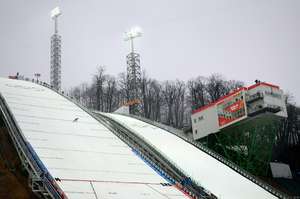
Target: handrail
218	157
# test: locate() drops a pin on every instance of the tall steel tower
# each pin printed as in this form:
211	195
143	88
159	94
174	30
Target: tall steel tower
55	65
133	72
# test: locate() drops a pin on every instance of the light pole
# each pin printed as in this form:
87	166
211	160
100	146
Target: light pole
131	35
133	72
55	13
37	76
55	65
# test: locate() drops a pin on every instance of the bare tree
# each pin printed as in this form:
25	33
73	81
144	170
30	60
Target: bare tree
198	96
151	99
85	97
233	85
169	92
216	87
99	79
123	85
179	103
146	98
165	102
111	92
156	102
76	93
289	132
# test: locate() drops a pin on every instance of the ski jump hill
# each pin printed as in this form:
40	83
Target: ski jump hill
67	151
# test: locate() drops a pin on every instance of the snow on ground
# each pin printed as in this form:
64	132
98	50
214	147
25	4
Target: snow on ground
214	176
76	148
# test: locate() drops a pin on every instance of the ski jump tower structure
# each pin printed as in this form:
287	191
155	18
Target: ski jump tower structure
133	72
55	65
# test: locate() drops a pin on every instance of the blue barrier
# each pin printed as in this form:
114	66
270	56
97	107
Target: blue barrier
154	167
45	175
36	158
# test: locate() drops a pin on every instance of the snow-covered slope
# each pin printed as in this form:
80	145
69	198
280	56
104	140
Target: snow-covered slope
211	174
89	160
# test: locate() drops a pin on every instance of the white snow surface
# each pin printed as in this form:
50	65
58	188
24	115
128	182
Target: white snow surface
213	175
89	159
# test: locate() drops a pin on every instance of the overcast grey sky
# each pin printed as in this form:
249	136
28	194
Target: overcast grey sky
241	39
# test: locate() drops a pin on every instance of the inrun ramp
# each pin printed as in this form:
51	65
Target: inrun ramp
207	171
86	159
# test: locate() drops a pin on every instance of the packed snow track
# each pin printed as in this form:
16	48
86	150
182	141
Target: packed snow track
207	171
69	152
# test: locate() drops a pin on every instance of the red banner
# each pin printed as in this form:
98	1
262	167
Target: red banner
231	109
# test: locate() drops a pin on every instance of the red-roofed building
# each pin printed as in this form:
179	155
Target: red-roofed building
238	105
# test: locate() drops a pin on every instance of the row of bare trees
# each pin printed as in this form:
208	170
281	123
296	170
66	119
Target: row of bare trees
169	102
104	94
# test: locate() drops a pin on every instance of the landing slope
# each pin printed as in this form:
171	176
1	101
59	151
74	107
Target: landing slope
86	158
204	169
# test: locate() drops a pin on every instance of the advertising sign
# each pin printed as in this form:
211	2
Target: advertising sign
231	109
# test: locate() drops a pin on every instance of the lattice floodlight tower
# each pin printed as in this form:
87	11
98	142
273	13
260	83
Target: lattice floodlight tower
55	65
133	72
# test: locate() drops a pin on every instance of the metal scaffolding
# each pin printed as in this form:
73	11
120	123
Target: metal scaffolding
55	64
133	73
134	82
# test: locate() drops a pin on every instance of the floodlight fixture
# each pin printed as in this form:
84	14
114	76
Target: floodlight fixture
132	34
55	12
55	64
